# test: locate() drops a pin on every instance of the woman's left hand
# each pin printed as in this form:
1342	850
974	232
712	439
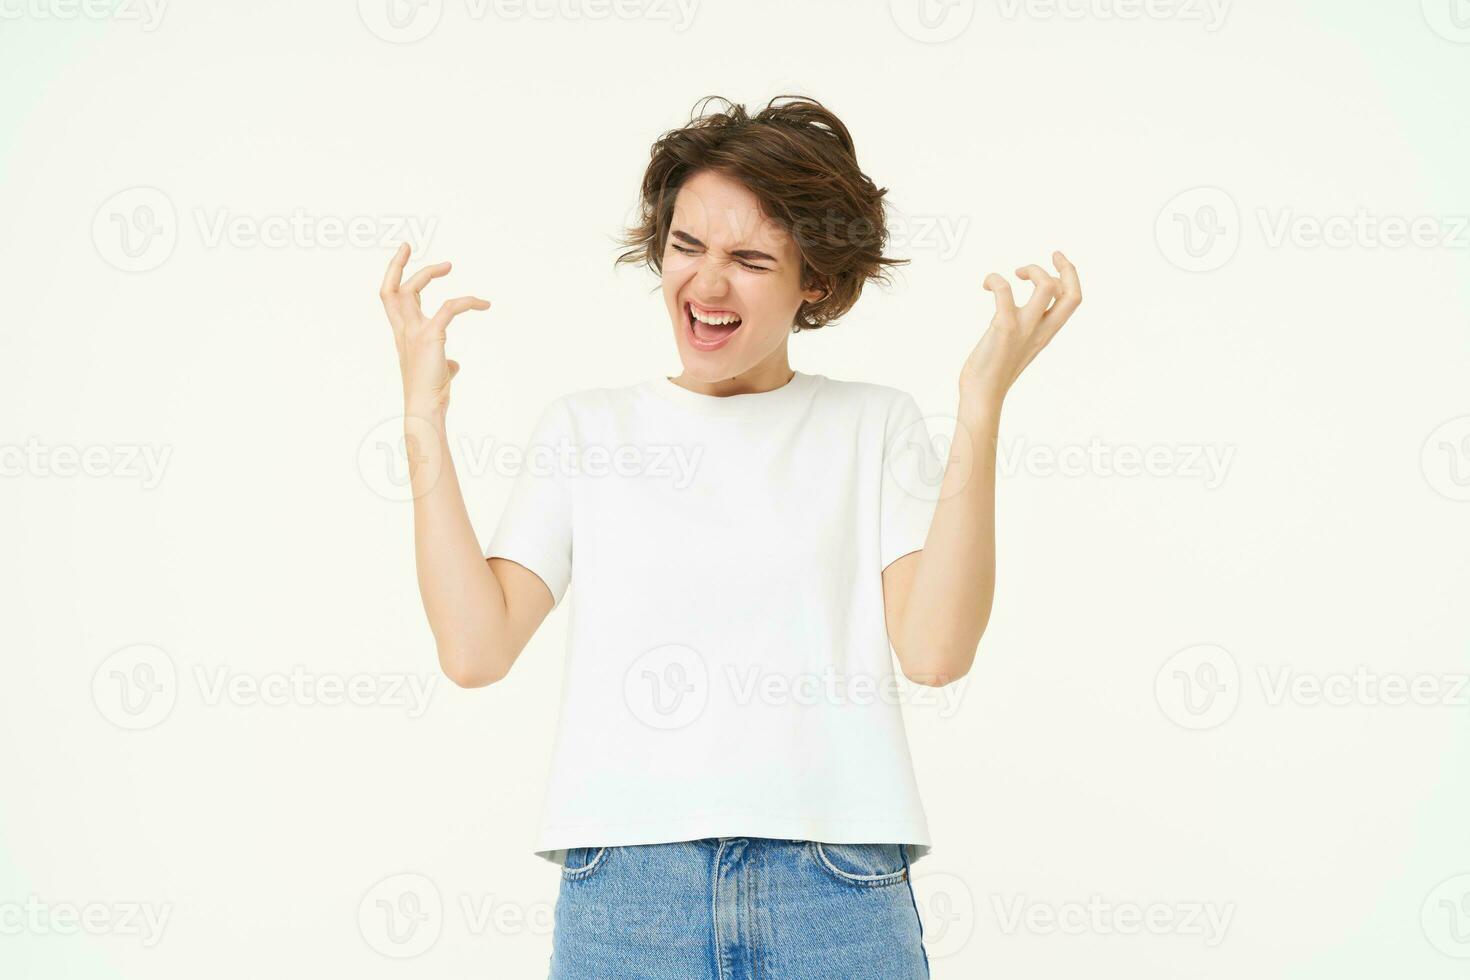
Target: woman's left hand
1017	335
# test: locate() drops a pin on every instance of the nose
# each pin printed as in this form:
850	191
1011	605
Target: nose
709	280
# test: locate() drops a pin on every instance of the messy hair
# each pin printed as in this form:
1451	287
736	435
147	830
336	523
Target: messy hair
798	159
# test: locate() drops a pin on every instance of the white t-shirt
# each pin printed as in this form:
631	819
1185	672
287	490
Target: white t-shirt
728	670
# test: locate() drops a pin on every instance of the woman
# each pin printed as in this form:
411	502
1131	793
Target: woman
731	792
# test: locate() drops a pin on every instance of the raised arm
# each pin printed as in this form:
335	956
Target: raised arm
937	601
482	613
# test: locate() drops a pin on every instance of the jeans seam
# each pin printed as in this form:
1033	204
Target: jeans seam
577	874
888	878
914	900
715	912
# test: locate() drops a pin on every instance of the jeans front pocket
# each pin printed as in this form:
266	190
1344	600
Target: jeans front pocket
582	862
869	865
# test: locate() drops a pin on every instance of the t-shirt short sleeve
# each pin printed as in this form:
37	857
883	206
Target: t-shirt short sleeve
912	475
535	528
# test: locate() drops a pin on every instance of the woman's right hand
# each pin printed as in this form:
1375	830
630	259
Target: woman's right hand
426	371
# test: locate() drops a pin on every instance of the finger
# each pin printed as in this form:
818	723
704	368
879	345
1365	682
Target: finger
1067	300
420	279
1071	285
454	307
453	369
394	274
1044	289
1005	303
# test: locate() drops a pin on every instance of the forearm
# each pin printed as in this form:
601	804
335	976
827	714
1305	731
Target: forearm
947	602
462	598
950	597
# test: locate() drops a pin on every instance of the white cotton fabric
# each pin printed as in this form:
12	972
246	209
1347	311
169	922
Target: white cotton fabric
728	670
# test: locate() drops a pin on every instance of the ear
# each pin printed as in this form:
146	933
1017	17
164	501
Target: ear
815	292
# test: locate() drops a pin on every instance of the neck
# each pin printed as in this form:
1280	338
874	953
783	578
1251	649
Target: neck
768	375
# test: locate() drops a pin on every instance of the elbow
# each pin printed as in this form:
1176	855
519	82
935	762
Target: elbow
937	658
940	676
469	671
937	668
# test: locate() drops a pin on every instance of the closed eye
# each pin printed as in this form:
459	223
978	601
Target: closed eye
695	251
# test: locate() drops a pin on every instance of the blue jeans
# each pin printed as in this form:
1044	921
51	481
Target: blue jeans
738	908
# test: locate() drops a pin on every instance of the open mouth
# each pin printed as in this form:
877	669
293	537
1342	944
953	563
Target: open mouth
710	329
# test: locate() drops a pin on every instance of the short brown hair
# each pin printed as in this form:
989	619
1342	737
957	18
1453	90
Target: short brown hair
797	158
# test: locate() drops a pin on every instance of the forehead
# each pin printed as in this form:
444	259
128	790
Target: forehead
725	214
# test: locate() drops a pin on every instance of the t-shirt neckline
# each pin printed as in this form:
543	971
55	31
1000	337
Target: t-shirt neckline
751	402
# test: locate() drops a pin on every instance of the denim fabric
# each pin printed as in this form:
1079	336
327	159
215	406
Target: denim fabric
738	908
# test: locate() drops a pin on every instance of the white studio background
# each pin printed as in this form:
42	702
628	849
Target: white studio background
1218	726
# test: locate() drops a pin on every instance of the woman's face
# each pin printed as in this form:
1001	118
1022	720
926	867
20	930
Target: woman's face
727	262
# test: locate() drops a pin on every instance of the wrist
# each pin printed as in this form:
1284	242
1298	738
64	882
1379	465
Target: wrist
428	409
979	405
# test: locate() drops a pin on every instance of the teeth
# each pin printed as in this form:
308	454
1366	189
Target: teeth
719	320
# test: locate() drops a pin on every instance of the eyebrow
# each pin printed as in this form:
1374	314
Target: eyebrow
742	253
